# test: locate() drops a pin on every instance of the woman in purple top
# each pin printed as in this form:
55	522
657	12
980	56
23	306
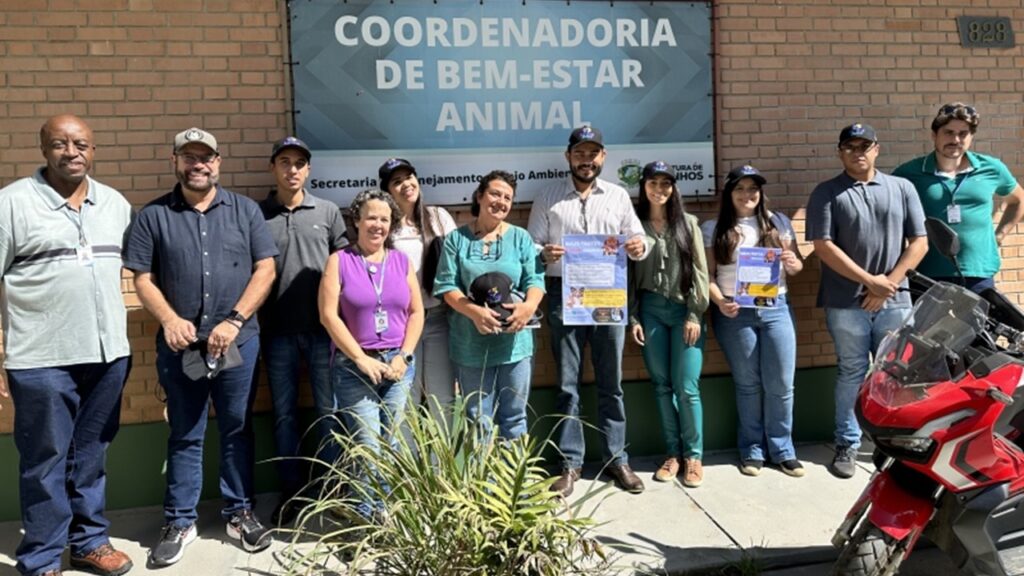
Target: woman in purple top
375	321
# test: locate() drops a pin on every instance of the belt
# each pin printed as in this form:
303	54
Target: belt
377	352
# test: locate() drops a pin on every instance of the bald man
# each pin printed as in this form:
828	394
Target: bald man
66	351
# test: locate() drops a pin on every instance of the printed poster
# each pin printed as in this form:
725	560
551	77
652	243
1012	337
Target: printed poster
757	277
594	280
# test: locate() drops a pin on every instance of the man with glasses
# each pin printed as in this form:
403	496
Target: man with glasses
868	230
203	259
586	204
958	187
66	348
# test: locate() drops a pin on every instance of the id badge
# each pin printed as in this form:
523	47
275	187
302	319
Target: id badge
380	321
953	214
84	254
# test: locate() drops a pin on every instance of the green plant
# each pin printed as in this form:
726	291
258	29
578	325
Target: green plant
455	504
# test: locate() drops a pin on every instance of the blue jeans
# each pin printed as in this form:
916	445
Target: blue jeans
976	284
760	346
283	355
606	344
232	392
64	420
510	383
674	368
373	412
856	334
435	374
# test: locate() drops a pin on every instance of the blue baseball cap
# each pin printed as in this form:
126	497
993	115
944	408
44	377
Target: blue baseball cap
290	142
862	131
659	168
585	134
739	173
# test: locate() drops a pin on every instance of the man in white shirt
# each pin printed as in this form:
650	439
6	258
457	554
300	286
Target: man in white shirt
586	204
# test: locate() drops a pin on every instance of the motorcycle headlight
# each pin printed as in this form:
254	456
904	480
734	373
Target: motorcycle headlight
911	443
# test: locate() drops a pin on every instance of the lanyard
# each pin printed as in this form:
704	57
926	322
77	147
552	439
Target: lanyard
952	193
78	219
377	288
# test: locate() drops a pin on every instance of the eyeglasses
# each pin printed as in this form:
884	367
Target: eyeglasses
952	109
862	149
193	159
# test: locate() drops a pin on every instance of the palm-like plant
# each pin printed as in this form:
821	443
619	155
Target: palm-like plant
457	502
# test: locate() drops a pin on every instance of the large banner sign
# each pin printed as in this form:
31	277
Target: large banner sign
463	87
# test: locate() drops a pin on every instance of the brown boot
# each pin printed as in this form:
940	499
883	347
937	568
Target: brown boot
104	560
625	478
564	484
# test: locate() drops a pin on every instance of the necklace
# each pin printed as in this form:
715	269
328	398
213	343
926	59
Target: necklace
482	235
486	249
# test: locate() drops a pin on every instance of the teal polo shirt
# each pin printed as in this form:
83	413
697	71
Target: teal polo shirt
973	192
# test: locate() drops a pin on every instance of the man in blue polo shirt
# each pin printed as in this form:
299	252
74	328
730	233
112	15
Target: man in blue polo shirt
307	230
204	262
66	348
868	230
958	187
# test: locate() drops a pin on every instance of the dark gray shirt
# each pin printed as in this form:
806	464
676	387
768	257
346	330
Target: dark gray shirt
201	261
305	237
871	223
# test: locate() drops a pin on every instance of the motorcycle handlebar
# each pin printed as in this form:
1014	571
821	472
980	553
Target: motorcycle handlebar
920	278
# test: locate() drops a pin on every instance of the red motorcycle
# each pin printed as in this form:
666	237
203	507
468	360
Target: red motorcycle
944	405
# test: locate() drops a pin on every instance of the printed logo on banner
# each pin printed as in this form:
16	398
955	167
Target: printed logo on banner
630	172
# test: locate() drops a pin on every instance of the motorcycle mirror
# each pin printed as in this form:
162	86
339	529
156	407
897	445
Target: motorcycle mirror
942	237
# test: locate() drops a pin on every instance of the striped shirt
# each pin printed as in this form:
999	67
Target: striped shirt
559	210
61	307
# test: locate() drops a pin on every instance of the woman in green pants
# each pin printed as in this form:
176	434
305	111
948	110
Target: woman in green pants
667	299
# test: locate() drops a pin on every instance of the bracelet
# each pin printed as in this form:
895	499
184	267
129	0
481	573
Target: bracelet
234	323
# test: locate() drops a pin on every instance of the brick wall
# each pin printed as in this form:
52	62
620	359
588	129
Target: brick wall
789	75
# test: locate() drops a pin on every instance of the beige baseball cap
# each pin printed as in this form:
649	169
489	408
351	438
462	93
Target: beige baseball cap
195	135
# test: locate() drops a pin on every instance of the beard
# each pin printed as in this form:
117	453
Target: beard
595	172
197	180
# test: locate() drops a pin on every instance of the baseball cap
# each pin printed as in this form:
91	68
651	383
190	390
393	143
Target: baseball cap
388	168
290	142
197	135
492	290
857	131
585	134
739	173
659	168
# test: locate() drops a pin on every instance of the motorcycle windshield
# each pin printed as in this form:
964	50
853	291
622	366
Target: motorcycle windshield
945	320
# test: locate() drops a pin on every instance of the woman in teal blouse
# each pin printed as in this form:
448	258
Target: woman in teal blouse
492	352
667	298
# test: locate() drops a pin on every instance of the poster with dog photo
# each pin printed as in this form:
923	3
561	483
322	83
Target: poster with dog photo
594	280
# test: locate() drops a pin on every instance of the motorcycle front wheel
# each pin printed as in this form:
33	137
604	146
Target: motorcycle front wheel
870	552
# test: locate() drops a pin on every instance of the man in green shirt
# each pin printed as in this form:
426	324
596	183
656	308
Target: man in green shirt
958	187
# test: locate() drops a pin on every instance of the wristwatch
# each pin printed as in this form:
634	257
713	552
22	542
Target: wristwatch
236	316
407	357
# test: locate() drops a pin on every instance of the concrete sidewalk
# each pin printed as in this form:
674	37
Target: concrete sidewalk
765	523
